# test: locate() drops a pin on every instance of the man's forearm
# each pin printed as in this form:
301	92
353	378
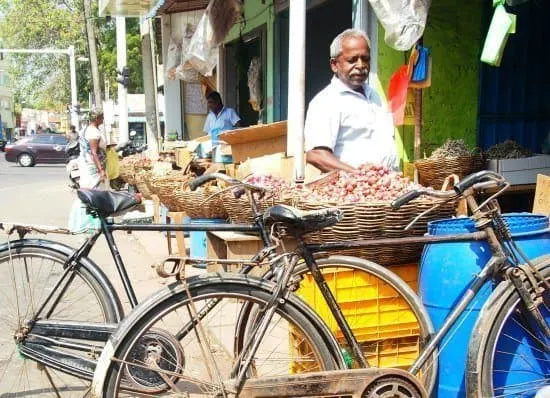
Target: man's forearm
325	161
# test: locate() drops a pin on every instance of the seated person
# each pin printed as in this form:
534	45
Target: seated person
220	118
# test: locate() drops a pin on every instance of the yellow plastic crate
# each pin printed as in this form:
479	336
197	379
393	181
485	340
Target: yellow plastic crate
380	319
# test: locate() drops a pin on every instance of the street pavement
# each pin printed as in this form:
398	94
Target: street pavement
41	195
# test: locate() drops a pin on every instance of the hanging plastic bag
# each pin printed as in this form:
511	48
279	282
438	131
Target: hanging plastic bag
112	166
185	70
403	20
501	26
397	96
202	54
173	58
255	84
80	220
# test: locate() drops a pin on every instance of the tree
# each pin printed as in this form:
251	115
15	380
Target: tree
42	81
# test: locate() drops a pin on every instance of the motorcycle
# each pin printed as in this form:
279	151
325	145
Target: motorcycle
72	150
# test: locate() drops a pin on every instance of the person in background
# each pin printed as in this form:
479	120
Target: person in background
39	130
220	118
92	154
346	123
73	134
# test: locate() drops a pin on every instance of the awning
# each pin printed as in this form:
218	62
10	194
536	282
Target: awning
150	8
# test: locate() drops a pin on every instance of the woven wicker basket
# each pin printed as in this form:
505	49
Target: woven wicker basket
165	187
126	171
202	203
141	179
432	172
240	211
376	220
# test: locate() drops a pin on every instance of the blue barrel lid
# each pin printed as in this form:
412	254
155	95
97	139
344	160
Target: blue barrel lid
517	222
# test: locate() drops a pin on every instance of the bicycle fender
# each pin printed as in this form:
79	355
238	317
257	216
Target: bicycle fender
65	250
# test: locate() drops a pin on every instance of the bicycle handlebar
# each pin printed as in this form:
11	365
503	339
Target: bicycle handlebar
475	178
481	180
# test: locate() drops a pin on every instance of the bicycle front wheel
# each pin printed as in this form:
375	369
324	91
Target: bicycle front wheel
28	276
162	350
509	355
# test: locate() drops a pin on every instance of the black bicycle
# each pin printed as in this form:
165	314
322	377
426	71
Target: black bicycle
58	308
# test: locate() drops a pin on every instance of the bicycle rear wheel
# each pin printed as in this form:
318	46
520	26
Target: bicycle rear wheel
28	276
161	351
510	354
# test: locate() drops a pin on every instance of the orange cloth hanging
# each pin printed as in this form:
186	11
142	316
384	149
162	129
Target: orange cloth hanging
397	95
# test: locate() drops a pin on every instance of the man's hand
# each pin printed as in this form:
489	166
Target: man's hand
324	160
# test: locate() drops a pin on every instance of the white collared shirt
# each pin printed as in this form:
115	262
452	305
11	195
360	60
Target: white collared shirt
357	127
224	120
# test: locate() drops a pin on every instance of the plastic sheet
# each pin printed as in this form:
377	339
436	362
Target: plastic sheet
202	54
173	58
403	20
255	84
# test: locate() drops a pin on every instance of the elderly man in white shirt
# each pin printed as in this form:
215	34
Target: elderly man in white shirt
346	123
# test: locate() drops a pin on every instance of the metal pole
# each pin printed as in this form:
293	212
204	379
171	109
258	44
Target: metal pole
122	91
296	86
74	99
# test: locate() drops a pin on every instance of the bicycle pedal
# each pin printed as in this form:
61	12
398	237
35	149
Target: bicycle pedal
171	266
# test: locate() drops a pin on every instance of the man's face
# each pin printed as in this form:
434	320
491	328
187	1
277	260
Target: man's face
353	64
214	105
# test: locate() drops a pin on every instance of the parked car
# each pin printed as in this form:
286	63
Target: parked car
40	148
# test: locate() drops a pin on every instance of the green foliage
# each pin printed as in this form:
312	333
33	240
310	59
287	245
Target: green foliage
42	81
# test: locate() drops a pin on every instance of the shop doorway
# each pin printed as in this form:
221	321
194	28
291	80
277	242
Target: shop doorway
324	21
238	55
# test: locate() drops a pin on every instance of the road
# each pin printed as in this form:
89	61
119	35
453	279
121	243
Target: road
40	195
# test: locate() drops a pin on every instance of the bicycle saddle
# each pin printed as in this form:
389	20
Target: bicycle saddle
107	203
301	222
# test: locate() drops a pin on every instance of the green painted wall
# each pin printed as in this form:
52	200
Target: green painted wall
450	105
257	14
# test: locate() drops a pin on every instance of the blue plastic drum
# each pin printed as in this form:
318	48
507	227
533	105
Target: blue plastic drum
198	238
445	273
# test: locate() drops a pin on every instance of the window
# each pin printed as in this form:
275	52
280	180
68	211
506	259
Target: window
42	139
60	140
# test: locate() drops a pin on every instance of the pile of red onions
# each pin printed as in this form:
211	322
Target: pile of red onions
369	182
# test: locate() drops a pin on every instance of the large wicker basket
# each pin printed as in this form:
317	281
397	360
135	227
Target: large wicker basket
432	172
165	187
205	202
126	171
141	179
239	210
376	220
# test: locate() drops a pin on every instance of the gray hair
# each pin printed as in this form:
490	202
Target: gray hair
336	45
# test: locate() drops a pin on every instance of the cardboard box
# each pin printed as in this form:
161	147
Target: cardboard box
521	171
255	141
277	164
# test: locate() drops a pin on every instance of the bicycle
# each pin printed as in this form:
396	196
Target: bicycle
151	351
54	335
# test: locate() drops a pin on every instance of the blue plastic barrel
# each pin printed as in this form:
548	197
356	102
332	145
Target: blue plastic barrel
445	272
198	238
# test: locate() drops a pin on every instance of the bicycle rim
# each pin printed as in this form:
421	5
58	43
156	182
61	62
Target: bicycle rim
151	358
520	360
29	275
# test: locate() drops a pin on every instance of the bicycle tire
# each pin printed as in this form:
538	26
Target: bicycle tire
157	316
359	274
30	273
505	357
